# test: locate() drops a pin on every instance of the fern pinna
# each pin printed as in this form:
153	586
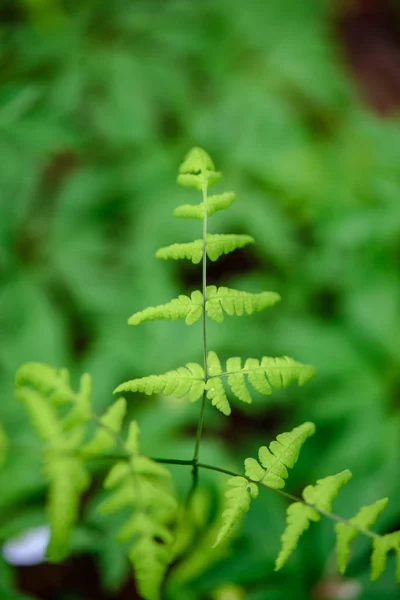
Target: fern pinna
64	420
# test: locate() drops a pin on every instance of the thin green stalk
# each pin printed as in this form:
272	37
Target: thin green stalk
204	327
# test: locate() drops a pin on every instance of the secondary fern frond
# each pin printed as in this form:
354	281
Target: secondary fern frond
198	170
346	533
300	515
42	388
142	484
233	302
214	203
183	381
68	480
238	499
217	245
281	455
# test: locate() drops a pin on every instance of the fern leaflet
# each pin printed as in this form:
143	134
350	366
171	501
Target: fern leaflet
233	302
217	245
300	515
214	203
183	307
262	375
281	455
345	533
381	547
238	499
183	381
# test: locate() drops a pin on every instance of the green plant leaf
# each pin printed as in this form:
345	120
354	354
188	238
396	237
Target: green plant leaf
238	499
214	203
217	245
183	381
282	454
380	548
345	533
300	515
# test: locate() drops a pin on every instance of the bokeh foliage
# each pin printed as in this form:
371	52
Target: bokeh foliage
98	103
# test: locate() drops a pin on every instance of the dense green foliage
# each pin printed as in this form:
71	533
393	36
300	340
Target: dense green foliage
89	149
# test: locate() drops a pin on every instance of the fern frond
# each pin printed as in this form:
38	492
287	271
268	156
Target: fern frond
300	515
141	484
51	382
68	480
381	547
235	302
110	425
345	533
183	381
238	500
217	245
182	307
282	454
42	388
197	170
214	203
262	375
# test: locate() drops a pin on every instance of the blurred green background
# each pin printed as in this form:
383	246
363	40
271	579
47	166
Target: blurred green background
99	102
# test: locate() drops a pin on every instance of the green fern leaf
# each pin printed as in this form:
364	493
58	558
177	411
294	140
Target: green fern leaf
68	481
238	500
300	515
111	424
263	375
217	245
271	372
43	414
281	455
298	518
197	170
51	382
380	548
141	484
182	307
345	533
214	387
235	302
183	381
214	203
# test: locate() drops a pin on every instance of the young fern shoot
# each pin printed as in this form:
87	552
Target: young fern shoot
61	417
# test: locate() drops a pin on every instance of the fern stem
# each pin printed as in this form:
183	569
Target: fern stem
204	323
